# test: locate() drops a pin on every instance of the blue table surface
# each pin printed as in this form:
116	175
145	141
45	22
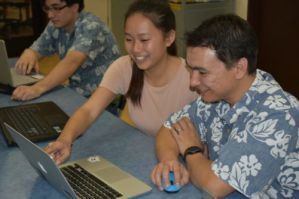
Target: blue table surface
109	137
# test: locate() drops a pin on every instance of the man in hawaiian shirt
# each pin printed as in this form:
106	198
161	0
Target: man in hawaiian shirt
239	139
85	45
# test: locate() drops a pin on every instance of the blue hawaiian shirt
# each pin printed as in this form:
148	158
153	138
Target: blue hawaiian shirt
254	145
90	36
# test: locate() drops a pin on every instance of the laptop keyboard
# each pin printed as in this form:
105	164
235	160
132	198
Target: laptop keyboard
87	185
26	121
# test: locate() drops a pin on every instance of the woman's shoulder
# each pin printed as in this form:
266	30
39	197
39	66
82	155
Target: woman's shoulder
122	65
182	65
123	59
183	61
179	61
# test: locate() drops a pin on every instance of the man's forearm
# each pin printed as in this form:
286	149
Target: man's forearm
31	51
203	176
62	71
166	147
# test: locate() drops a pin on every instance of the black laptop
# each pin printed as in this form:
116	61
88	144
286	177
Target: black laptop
37	121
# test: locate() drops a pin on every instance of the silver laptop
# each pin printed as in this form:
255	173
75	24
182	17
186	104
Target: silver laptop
116	182
9	75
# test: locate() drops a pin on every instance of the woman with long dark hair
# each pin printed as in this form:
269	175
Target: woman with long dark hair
152	77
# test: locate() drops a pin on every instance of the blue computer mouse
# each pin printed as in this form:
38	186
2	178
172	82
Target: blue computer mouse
172	188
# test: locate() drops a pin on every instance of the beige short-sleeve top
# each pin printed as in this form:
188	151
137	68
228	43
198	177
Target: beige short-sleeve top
157	103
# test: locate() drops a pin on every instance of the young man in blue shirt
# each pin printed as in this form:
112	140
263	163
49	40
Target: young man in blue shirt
239	139
85	45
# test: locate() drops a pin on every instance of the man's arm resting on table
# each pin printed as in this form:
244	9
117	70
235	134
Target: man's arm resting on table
29	50
28	61
203	176
62	71
167	152
199	166
166	147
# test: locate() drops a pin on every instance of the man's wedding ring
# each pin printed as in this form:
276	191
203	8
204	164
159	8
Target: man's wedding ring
178	130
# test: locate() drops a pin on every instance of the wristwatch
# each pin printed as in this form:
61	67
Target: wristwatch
192	150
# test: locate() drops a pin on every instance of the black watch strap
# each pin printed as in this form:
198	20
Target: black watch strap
192	150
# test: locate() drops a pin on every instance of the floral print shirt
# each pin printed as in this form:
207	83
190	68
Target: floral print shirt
254	144
90	36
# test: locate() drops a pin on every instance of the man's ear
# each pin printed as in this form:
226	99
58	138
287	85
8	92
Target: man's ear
75	7
241	68
170	37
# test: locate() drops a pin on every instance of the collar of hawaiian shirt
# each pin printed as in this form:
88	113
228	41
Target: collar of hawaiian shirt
262	81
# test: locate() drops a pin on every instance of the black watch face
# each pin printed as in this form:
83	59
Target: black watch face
194	149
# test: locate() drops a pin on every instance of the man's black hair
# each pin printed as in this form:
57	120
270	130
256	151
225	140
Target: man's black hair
230	36
71	2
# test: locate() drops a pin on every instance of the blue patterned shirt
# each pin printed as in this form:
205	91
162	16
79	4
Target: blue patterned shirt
90	36
254	144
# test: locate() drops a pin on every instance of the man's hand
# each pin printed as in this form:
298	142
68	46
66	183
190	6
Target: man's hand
59	151
27	62
26	92
162	170
185	135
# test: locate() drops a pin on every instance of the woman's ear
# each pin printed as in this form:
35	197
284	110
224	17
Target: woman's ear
170	38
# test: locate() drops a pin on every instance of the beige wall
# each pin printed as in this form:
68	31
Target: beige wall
102	8
99	8
241	8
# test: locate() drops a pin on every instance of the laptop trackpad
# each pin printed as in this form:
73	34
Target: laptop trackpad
111	174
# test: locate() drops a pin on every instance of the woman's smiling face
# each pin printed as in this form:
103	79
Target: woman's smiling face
145	43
